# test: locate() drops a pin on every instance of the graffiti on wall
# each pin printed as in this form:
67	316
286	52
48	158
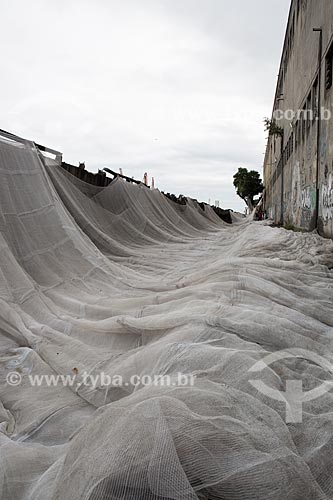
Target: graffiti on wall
303	196
307	198
296	192
308	204
327	199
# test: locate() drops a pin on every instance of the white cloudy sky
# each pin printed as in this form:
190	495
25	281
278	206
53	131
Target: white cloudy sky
177	88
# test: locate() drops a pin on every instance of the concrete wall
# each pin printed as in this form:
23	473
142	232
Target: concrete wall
296	172
100	179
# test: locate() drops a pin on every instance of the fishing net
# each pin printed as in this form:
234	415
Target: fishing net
174	307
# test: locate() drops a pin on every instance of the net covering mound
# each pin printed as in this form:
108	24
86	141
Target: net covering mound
120	283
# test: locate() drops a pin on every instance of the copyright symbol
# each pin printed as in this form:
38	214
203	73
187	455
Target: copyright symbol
14	378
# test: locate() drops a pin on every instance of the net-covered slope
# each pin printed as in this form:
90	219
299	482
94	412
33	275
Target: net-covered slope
121	281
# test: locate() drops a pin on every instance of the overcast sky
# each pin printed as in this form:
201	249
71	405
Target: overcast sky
177	88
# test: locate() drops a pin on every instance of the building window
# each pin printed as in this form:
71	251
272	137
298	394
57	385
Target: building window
292	143
315	99
329	68
280	84
309	112
303	122
300	125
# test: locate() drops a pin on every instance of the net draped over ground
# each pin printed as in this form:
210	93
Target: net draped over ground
123	281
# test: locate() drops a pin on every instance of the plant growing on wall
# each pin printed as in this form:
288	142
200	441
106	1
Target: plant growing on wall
272	127
248	185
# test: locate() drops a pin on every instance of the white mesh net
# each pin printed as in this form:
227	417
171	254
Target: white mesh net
124	283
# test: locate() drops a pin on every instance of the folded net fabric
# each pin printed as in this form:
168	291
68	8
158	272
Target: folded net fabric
122	281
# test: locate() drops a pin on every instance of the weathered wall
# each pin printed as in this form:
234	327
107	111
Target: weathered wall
98	179
291	163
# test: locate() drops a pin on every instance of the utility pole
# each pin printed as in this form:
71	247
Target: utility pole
320	55
282	176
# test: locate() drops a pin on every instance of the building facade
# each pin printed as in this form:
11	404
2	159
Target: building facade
298	165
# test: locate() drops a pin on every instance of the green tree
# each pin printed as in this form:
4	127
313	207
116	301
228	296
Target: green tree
272	127
248	185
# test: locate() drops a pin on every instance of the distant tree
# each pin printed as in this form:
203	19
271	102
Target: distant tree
248	185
